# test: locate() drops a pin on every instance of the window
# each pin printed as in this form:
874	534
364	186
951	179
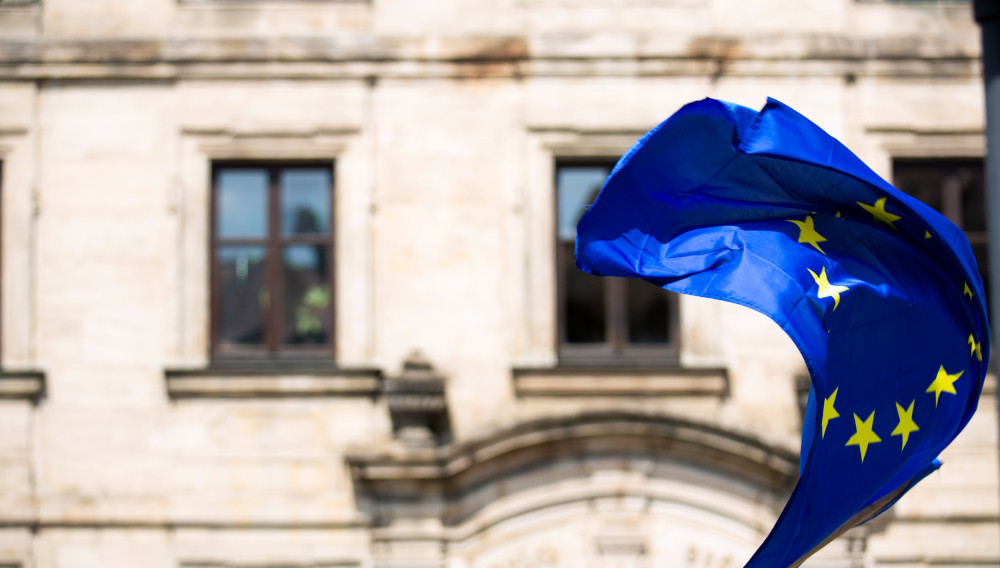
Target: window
956	188
604	319
272	264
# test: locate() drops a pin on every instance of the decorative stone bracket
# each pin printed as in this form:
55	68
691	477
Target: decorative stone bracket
417	404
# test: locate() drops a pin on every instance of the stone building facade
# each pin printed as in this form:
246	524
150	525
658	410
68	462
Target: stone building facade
283	283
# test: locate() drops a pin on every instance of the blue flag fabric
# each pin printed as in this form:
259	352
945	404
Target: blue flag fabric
880	293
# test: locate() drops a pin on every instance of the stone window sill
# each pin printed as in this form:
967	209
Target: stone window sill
28	384
269	379
237	3
595	381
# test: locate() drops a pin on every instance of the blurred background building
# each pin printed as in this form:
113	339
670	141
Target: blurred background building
288	283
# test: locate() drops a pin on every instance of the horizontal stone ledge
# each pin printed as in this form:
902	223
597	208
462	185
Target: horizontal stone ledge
947	519
615	381
271	382
694	44
224	562
192	524
364	70
22	385
888	560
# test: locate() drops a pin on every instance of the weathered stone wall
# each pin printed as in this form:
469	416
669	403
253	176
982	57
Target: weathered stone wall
120	443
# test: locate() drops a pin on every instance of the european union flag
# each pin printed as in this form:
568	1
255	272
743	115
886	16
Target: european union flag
879	292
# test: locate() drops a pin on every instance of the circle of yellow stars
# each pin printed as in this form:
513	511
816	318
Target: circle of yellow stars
864	430
944	382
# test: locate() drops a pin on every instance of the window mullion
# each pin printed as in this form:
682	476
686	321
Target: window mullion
214	277
274	291
951	198
562	334
616	314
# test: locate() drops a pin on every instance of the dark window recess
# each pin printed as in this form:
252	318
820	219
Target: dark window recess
272	272
957	189
604	319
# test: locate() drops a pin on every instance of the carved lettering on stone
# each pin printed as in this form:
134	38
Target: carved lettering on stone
699	557
539	557
621	552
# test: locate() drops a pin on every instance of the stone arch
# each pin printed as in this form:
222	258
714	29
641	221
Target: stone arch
466	501
628	529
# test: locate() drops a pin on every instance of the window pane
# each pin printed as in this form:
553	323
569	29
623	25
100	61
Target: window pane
953	187
921	180
242	295
648	312
241	203
969	178
305	201
981	251
306	295
578	186
584	297
956	188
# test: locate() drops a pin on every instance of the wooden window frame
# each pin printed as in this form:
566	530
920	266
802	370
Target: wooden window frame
615	350
273	242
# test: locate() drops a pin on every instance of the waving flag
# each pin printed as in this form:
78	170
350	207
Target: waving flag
880	293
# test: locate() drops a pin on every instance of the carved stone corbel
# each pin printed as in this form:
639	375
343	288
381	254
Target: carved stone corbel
417	404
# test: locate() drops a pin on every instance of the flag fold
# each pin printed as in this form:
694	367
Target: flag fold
880	293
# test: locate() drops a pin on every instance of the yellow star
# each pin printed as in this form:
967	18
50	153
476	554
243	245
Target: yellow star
881	215
906	423
927	235
864	434
967	291
943	382
829	412
808	234
827	290
975	347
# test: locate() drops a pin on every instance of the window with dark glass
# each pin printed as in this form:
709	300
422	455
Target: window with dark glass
604	318
955	187
272	265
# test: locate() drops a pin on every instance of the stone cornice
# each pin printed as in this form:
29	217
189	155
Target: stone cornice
364	56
